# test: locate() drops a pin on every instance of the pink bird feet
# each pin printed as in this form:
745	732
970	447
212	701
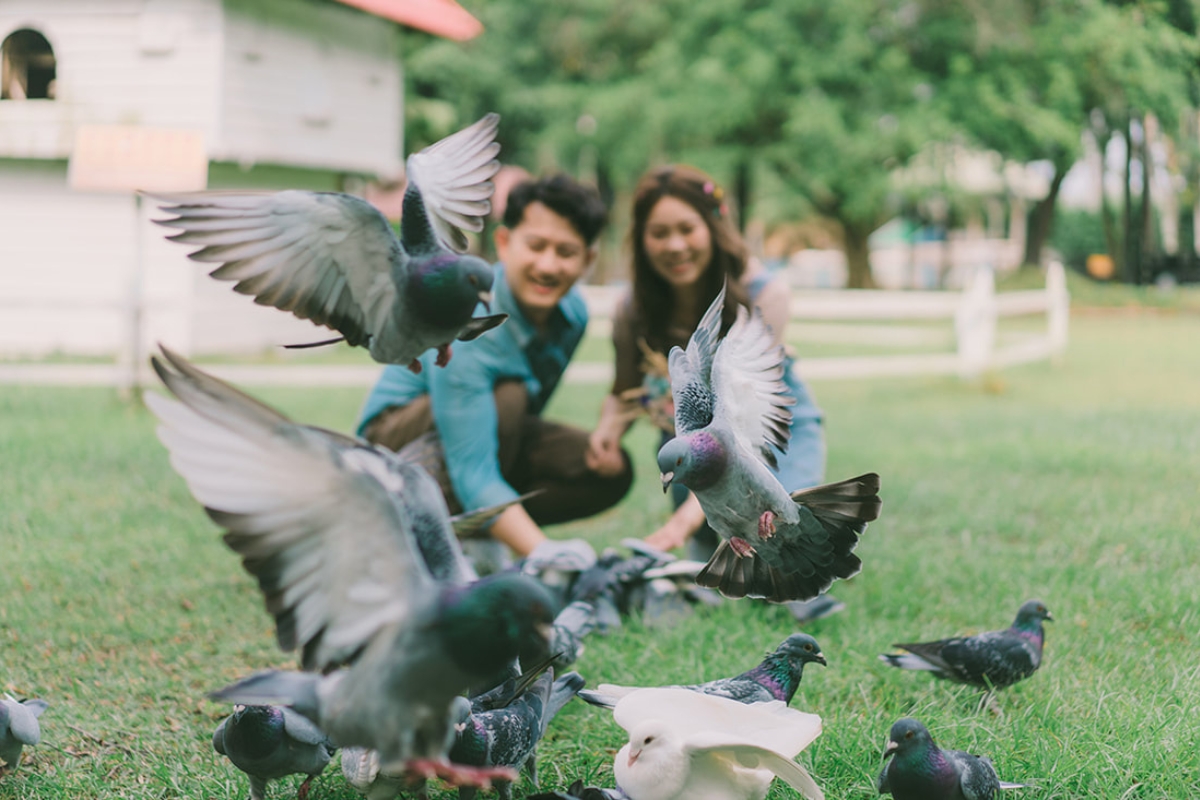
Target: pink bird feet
458	774
766	525
740	546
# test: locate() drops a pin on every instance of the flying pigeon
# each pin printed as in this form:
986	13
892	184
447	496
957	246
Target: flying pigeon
332	258
684	744
731	416
268	742
918	770
991	660
776	678
506	724
18	727
325	523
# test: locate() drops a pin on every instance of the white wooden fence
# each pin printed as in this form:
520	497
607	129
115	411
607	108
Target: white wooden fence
876	319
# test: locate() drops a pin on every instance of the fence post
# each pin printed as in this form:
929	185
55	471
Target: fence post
975	324
1058	309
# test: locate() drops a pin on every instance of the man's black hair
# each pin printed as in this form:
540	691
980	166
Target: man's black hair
573	201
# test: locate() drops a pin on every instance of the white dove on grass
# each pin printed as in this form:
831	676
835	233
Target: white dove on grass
684	745
731	415
328	525
333	258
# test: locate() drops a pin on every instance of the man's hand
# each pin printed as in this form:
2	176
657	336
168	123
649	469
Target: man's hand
603	455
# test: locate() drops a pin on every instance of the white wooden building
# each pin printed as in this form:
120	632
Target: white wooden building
284	93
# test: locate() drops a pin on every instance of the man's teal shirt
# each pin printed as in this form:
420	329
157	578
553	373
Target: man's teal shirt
460	393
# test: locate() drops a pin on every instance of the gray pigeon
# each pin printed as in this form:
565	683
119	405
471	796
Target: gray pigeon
731	416
333	258
991	660
325	524
506	724
919	770
18	727
268	742
776	678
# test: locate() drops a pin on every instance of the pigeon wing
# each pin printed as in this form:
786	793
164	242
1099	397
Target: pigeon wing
976	776
301	728
450	188
316	522
747	379
22	721
756	757
691	371
323	256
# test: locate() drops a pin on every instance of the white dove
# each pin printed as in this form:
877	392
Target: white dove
683	744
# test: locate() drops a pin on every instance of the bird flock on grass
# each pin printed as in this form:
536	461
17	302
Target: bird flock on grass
410	667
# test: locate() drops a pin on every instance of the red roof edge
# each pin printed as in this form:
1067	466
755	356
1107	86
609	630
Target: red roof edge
444	18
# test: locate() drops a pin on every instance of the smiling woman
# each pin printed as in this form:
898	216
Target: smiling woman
685	250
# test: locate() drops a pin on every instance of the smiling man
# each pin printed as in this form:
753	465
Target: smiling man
476	423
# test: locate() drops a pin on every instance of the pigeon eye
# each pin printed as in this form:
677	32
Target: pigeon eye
808	648
908	735
474	280
679	461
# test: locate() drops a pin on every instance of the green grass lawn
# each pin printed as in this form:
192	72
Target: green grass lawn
1075	484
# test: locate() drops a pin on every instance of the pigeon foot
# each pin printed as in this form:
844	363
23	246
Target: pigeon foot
414	367
766	525
444	354
740	546
302	792
459	774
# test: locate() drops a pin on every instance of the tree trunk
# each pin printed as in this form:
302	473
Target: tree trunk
1128	264
741	192
858	256
1146	228
1041	220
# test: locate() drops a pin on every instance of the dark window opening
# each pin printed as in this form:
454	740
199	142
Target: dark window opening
27	67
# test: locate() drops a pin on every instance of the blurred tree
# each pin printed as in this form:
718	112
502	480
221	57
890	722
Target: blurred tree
829	98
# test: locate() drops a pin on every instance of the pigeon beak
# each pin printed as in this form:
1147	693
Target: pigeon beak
238	707
667	477
633	756
459	727
486	299
546	631
890	748
820	659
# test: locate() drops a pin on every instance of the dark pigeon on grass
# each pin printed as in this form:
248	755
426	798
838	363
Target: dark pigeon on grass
506	724
776	678
325	523
919	770
267	742
577	791
333	259
991	660
18	727
732	418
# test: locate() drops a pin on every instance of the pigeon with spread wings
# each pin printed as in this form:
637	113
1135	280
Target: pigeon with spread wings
731	416
325	523
333	259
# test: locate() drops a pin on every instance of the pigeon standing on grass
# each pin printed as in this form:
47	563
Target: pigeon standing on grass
506	724
731	416
776	678
333	259
267	742
684	745
991	660
324	523
919	770
18	727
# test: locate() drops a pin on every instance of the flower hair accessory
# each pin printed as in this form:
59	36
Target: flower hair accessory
717	194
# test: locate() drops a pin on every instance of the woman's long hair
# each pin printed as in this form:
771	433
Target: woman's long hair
653	300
